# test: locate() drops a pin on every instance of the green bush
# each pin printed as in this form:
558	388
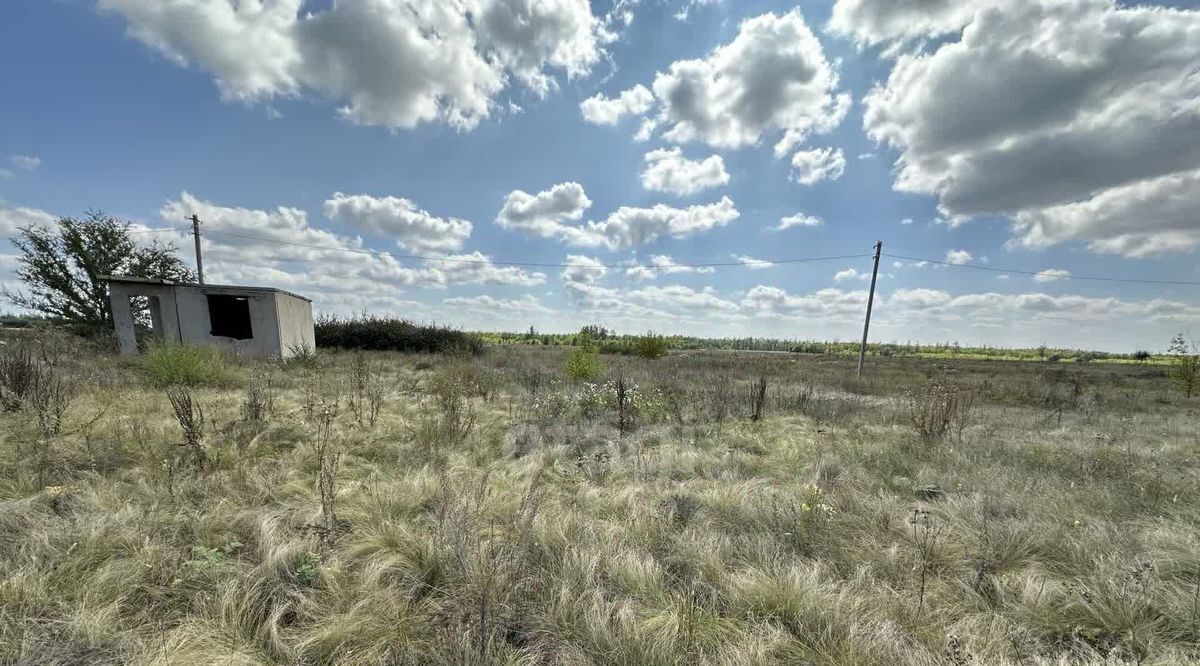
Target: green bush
185	365
650	346
584	364
392	334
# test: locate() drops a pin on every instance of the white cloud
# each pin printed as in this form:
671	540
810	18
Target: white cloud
601	110
12	219
629	227
832	304
399	219
752	263
502	309
583	269
906	221
549	214
1017	309
688	5
799	220
812	166
281	248
395	63
1078	118
1051	275
772	78
661	264
958	257
25	162
478	268
545	213
668	171
849	274
1140	219
877	21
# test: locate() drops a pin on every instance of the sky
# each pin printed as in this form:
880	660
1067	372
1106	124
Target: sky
496	165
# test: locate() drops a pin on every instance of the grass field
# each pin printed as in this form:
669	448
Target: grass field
715	508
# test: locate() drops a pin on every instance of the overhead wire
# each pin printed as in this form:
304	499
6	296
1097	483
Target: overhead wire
694	265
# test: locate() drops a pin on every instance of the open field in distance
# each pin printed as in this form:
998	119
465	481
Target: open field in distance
703	508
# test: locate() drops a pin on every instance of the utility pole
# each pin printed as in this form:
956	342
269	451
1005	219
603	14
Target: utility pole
200	259
862	349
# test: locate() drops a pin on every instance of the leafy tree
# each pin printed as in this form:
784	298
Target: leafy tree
1186	370
61	266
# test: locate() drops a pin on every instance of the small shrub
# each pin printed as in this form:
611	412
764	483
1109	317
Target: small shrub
1185	367
301	355
305	568
934	408
650	346
584	365
19	376
169	365
191	421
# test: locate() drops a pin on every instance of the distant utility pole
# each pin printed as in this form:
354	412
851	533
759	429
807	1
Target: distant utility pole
200	259
862	349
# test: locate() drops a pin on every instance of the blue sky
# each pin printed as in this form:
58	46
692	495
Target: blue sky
334	126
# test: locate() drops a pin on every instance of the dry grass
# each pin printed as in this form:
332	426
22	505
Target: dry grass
700	508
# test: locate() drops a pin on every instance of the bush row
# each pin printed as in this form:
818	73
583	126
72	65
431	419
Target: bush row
392	334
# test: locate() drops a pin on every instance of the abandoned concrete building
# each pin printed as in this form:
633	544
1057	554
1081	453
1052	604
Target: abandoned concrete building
250	321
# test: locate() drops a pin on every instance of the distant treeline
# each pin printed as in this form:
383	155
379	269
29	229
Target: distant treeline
613	343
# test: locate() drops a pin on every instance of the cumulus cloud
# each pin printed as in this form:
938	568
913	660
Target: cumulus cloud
871	22
1051	275
773	79
25	162
629	227
752	263
832	304
583	269
1011	309
502	309
667	170
799	220
281	248
399	219
478	268
662	264
1077	118
812	166
12	219
849	274
546	213
958	257
395	63
602	110
551	213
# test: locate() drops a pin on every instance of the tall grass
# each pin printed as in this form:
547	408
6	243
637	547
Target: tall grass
167	365
660	516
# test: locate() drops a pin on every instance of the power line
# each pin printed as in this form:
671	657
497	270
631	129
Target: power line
1045	273
531	264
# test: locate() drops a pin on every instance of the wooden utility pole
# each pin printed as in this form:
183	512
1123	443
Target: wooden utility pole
200	259
862	349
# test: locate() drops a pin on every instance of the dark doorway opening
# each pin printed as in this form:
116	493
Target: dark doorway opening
230	316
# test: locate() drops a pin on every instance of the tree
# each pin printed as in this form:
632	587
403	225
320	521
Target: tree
1186	364
61	266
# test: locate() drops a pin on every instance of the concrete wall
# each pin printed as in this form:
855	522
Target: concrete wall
162	311
196	327
279	322
295	324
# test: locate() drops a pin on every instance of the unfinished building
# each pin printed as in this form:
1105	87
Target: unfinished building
249	321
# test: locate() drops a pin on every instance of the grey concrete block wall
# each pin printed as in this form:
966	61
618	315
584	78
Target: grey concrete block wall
281	323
